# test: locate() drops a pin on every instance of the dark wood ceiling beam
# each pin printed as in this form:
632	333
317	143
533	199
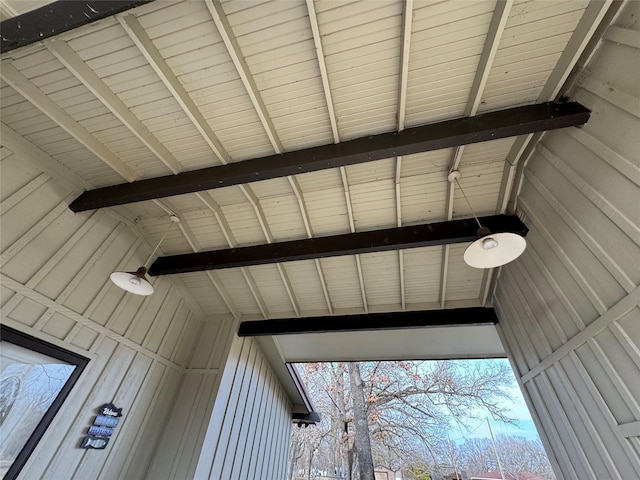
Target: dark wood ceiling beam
452	317
436	136
397	238
56	18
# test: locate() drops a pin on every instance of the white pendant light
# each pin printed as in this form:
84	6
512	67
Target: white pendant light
490	250
136	282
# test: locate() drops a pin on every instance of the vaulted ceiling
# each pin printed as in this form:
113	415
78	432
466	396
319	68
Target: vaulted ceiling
170	87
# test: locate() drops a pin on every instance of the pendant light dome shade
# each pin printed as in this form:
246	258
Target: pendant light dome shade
133	282
490	250
494	250
136	282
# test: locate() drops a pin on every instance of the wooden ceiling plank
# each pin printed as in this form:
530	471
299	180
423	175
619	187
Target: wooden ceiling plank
494	35
488	126
37	98
317	41
29	152
433	234
407	22
157	62
70	59
471	316
212	205
326	88
229	39
583	41
139	36
233	48
255	291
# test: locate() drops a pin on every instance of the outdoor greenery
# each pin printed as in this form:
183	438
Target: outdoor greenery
399	415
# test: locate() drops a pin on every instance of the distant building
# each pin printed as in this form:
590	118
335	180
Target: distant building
384	473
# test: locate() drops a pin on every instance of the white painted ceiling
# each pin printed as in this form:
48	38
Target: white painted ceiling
173	86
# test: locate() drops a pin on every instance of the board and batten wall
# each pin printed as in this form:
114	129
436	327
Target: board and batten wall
249	433
568	308
153	356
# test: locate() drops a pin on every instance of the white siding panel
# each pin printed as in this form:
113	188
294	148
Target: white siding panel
568	307
55	286
249	430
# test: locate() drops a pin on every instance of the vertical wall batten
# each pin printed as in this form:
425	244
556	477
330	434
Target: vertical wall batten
576	290
248	434
55	286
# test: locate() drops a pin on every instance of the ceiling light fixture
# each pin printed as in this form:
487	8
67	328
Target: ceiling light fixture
136	282
490	250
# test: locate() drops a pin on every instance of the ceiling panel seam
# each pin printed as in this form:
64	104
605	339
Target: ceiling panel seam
317	41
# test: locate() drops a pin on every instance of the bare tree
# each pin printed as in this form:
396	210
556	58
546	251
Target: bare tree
517	455
361	418
409	407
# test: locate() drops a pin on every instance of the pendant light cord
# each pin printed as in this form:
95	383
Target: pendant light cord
158	245
469	203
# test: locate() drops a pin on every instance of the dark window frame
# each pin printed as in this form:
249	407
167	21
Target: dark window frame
21	339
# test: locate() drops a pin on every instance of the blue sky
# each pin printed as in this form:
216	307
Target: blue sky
517	409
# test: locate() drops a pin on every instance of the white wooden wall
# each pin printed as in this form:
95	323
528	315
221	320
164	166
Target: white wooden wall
149	355
249	432
568	308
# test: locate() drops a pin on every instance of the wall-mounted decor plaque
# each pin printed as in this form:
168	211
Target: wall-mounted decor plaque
93	442
102	429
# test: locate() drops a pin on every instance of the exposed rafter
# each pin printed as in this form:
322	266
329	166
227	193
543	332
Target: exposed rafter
33	94
585	36
494	35
428	235
137	33
228	37
450	133
326	87
370	322
139	36
88	77
407	21
56	18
